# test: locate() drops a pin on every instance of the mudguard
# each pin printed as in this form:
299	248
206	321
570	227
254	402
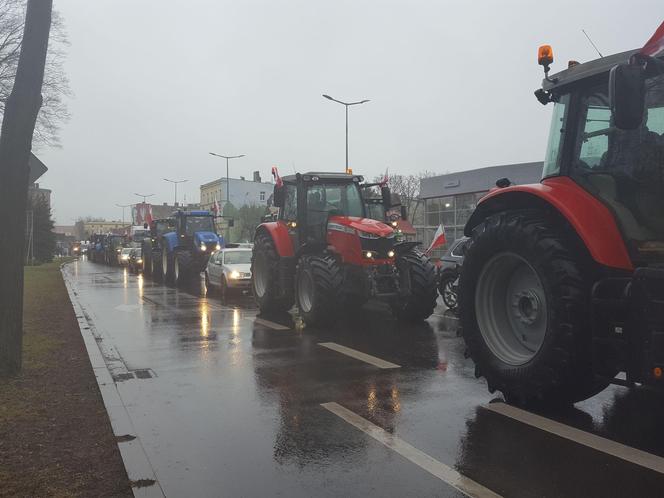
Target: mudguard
279	233
171	240
592	220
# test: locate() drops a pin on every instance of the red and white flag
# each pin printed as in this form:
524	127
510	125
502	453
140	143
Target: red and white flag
385	179
438	239
215	207
656	43
277	179
148	215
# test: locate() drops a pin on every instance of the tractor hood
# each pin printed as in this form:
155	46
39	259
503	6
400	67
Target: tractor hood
364	225
206	238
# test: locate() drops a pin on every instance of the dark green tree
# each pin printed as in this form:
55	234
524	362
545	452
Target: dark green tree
43	235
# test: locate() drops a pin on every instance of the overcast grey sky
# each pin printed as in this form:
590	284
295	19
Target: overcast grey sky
159	83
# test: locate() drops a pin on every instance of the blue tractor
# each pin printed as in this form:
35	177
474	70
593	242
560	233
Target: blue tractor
186	250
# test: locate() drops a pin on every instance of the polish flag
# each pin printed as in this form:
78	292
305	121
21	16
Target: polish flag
215	207
438	239
385	179
148	214
656	43
277	178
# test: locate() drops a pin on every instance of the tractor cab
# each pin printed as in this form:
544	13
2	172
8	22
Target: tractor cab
620	163
196	229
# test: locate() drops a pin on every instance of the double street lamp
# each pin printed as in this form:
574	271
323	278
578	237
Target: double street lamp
144	196
123	206
347	105
228	199
175	182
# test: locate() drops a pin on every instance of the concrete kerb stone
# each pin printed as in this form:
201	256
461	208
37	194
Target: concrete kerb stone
139	469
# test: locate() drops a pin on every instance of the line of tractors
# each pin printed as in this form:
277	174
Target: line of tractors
562	284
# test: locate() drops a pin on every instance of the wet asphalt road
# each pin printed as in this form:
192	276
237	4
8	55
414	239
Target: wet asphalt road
228	404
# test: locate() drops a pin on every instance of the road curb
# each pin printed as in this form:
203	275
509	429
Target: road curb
141	474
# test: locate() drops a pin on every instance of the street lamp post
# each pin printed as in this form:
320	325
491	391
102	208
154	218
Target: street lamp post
144	196
228	198
347	105
123	206
175	182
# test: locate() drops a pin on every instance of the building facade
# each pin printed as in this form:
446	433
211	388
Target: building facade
242	192
450	199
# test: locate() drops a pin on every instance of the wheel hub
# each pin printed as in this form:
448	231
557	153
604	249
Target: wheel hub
526	306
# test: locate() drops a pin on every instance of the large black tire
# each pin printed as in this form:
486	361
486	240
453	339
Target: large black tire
167	263
182	268
318	281
265	277
535	347
146	256
155	266
418	277
447	290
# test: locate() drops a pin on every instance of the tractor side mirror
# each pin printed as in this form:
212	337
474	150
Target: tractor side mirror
627	95
404	212
279	197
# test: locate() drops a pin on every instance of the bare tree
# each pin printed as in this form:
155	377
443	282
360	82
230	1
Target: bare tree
55	88
408	188
18	125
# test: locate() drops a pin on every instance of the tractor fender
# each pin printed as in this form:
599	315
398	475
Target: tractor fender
592	220
278	231
170	241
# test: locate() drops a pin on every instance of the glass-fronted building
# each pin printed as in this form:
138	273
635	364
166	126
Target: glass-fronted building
450	199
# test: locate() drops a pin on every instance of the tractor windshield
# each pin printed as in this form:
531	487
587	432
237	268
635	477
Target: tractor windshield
625	168
199	224
341	199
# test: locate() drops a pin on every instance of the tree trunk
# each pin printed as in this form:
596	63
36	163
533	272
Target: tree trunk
18	125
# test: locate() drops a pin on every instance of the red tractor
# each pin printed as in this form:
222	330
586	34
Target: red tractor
563	282
326	256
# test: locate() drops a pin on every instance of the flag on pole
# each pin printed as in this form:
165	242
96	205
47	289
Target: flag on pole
215	207
438	239
383	182
148	215
277	178
656	43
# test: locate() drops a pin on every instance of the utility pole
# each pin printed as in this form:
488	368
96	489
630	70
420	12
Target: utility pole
228	197
347	105
175	182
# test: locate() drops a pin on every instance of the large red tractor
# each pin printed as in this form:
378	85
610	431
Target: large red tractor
326	256
563	282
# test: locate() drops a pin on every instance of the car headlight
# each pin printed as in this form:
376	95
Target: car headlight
218	247
234	275
118	250
203	247
139	260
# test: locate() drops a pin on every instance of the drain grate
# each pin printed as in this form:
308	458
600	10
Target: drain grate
143	374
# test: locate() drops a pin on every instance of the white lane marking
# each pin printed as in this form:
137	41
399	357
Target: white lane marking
358	355
618	450
268	323
434	467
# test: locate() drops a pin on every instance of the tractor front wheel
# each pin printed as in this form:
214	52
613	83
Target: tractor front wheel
167	266
265	277
524	309
418	280
318	282
182	268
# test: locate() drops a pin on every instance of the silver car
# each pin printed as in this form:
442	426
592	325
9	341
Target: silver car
229	269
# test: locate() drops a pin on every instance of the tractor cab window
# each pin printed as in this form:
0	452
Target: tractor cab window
335	199
376	210
289	211
195	224
556	132
624	168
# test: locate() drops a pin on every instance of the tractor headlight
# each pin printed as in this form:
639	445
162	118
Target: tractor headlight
234	275
203	247
390	254
139	260
394	224
218	247
118	250
368	254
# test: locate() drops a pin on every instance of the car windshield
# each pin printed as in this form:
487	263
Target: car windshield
199	224
126	250
336	199
625	168
237	257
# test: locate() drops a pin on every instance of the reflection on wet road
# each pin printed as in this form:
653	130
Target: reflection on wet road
229	403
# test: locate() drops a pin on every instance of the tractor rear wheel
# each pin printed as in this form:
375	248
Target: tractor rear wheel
146	256
524	309
265	277
318	282
155	266
166	266
418	277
